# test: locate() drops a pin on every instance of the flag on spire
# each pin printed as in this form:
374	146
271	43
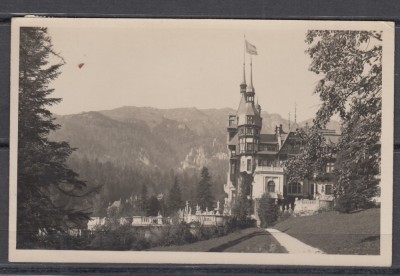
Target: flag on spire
250	48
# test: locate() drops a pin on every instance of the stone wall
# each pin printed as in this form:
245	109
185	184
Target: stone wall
306	207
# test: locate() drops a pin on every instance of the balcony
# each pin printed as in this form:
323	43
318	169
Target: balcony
269	169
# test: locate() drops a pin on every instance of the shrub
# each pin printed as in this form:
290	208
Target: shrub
241	211
267	211
179	234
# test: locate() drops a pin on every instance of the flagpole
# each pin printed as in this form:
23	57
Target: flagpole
244	48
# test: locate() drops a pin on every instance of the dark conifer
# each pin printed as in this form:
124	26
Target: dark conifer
175	201
205	198
45	183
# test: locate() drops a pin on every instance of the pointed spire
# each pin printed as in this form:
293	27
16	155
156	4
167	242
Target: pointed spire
295	110
244	73
289	120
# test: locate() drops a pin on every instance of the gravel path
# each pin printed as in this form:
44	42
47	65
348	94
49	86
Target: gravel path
293	245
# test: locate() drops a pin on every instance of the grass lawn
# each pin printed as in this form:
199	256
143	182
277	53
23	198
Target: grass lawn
357	233
246	240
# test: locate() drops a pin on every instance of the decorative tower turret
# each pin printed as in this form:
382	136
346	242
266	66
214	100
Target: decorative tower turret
243	139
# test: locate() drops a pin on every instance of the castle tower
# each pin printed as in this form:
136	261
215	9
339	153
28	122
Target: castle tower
243	129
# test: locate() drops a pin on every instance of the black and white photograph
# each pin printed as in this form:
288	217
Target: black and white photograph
200	141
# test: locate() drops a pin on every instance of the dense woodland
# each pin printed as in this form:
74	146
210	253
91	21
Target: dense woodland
126	184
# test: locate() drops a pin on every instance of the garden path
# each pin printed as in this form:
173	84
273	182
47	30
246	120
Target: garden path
293	245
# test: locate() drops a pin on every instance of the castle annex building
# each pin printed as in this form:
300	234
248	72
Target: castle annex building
256	158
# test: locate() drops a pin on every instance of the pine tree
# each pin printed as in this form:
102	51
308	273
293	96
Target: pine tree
45	183
143	204
205	198
175	201
154	206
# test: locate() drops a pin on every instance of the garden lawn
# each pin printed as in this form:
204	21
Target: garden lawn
356	233
245	240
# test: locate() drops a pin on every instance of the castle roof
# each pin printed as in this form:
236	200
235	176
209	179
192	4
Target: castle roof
234	141
247	109
268	138
267	152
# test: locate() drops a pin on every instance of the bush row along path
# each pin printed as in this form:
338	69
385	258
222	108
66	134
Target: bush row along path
252	240
246	240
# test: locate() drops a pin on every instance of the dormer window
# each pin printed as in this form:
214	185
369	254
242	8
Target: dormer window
250	119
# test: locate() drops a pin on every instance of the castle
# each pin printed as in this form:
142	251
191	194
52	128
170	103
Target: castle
256	158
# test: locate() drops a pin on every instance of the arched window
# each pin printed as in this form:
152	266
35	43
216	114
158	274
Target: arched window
294	188
271	186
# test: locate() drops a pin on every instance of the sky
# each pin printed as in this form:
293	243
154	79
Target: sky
182	63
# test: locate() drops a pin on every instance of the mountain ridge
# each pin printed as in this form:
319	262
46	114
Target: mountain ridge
151	142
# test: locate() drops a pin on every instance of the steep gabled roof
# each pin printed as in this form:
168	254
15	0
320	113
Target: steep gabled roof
234	141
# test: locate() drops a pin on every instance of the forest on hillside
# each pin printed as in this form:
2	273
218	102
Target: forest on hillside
125	184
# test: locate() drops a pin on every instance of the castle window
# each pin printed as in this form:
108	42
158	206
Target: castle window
249	147
231	121
271	186
249	164
330	167
328	189
249	130
250	119
233	168
294	188
241	145
241	130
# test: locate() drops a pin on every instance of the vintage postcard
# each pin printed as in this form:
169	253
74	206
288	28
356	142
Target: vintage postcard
201	141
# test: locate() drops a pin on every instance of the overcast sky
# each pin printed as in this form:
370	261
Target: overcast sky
176	63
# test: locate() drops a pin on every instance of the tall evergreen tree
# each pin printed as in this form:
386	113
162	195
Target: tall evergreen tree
205	199
143	199
175	201
45	183
154	206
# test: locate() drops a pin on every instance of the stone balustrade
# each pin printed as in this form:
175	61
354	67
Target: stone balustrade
202	219
269	169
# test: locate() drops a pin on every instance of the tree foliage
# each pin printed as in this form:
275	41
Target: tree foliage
267	210
154	206
205	199
241	210
143	201
175	201
350	63
45	183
